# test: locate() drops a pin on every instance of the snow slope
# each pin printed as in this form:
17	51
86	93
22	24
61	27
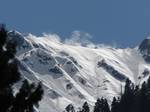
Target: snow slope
73	73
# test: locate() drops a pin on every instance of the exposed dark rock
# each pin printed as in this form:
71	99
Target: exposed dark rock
56	70
111	70
81	96
69	86
53	94
146	72
75	62
82	81
144	48
16	37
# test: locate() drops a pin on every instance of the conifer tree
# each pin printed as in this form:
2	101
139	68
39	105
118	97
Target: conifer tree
127	98
143	98
70	108
148	94
28	95
101	105
97	107
8	71
85	107
115	105
106	106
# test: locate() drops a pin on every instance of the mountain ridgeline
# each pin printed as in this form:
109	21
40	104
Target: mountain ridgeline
73	75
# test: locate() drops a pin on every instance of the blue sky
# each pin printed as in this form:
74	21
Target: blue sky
125	22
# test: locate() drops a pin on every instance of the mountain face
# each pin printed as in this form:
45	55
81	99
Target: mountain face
75	74
145	49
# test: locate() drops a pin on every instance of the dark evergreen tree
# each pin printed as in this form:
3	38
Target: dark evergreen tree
127	98
115	105
97	107
3	36
148	94
134	99
85	108
101	105
8	71
70	108
28	95
143	98
106	106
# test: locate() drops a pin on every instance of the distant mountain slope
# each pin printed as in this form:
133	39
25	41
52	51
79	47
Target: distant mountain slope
74	74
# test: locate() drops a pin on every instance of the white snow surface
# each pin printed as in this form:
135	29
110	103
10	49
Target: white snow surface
71	74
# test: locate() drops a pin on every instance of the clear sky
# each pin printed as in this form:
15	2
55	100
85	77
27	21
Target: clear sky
125	22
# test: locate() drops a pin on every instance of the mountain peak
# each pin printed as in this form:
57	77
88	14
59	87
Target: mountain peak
145	49
75	74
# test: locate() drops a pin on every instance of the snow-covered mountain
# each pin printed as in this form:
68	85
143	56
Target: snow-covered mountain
75	74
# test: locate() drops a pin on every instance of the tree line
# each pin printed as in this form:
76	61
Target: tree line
135	98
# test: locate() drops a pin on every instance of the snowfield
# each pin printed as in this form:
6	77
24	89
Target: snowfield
75	74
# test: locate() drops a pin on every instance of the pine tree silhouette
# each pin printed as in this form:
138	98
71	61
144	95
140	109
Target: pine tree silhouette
127	98
8	71
70	108
85	108
28	95
115	105
101	105
97	107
